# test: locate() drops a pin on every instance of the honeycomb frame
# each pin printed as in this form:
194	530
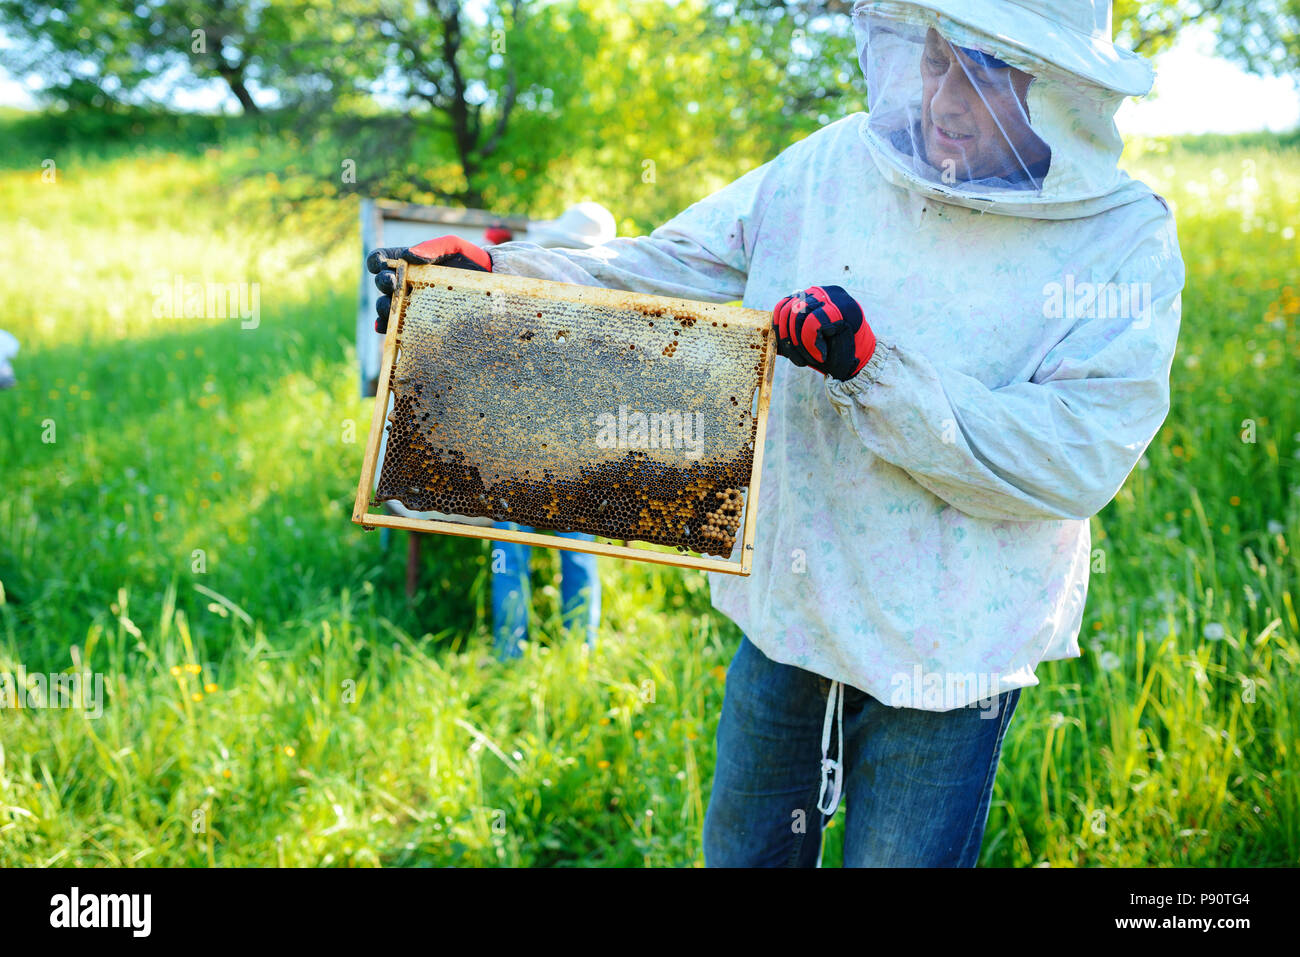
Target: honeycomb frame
512	399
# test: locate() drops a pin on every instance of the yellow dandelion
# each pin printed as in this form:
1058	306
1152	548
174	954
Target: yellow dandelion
197	696
638	734
602	765
289	751
1235	500
604	720
719	672
1096	626
216	476
176	671
193	669
210	687
226	773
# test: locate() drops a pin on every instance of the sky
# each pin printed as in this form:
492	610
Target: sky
1195	92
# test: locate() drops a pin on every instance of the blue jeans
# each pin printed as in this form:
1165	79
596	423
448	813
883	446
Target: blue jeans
512	594
916	788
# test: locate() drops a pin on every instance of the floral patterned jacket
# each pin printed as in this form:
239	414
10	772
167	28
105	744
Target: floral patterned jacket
923	530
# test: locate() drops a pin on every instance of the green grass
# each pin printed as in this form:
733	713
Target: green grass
286	704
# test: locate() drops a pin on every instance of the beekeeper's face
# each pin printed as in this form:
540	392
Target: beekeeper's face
974	118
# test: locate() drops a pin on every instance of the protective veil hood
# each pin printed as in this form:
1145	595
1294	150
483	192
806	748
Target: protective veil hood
1014	117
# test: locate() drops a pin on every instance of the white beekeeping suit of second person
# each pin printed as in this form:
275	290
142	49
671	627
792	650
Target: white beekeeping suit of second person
929	516
8	349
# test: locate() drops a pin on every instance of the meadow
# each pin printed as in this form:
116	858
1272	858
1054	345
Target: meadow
176	518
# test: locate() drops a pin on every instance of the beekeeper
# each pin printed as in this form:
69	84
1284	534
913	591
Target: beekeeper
978	357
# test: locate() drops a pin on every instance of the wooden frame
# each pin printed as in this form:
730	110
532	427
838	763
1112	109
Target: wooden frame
587	295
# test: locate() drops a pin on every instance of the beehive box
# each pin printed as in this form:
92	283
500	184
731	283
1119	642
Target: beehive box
636	418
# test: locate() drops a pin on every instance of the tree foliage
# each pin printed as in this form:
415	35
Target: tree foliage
98	53
1262	35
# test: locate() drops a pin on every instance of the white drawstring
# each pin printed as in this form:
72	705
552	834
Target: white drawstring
832	768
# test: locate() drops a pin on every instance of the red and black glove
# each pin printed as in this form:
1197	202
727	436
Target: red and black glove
823	327
443	251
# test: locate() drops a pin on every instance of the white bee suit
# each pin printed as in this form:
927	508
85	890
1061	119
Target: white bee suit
923	527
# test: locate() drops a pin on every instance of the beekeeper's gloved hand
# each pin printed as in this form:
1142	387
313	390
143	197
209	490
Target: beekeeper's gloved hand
823	327
443	251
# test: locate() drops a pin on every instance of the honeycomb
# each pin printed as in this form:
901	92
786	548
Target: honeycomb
632	418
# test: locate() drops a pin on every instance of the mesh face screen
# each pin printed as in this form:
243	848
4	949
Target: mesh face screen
630	417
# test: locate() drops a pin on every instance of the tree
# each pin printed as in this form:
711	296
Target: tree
101	52
452	107
87	53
